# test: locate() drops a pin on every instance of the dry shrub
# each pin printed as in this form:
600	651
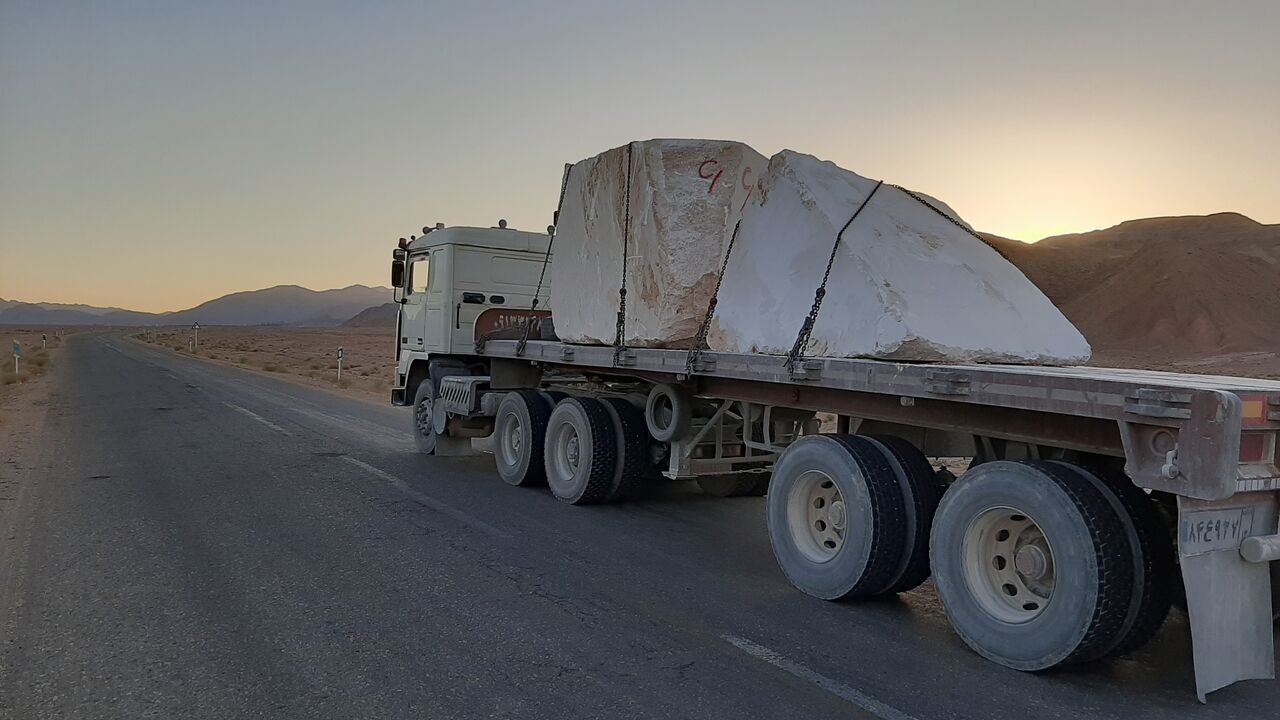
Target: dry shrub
10	377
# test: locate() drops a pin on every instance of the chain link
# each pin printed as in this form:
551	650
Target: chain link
920	199
546	258
619	341
700	341
802	338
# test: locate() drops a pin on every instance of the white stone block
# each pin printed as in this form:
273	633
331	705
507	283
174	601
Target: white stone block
906	283
685	198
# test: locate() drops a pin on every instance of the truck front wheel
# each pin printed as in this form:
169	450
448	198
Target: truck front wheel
424	424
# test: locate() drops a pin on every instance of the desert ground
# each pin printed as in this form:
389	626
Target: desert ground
35	358
308	354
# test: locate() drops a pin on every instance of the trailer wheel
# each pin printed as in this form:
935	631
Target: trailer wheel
921	490
835	516
729	484
519	434
1031	564
581	451
553	396
1154	565
668	412
633	464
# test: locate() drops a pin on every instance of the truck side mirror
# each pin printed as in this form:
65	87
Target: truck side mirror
397	273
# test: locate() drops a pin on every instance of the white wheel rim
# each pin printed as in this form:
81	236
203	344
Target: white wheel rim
565	458
511	442
817	516
423	414
1008	565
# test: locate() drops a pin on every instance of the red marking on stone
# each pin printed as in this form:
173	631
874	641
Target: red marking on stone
747	185
713	178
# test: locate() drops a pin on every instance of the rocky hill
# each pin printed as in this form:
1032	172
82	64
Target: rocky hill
378	316
1183	286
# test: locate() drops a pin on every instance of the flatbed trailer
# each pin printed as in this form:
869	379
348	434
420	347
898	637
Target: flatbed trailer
1094	497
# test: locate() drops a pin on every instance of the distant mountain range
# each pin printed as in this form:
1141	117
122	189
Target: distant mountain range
280	305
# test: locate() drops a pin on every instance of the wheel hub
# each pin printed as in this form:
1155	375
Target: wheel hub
1009	565
572	452
817	516
837	515
424	413
1032	561
512	441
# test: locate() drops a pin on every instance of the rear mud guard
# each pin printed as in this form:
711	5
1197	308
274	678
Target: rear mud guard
1228	598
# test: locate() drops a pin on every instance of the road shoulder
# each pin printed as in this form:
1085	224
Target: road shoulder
23	411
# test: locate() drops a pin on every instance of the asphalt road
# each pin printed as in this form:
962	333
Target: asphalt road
201	541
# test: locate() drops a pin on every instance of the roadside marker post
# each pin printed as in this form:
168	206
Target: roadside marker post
44	341
191	345
195	327
339	364
17	353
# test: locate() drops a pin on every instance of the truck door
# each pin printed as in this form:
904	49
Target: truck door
413	323
438	316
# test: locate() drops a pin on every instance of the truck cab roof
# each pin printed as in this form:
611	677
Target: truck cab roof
499	238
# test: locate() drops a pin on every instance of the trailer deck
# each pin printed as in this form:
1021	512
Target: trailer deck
1139	414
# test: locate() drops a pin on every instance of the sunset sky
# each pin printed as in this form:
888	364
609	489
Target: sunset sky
156	154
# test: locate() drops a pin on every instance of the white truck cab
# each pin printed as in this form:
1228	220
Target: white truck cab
443	280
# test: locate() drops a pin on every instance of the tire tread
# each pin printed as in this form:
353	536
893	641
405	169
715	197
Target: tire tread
888	510
1112	550
631	467
926	492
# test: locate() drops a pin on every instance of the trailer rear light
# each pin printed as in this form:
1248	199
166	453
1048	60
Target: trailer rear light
1257	447
1253	410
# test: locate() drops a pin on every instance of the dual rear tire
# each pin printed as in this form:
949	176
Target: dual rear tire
1037	564
586	450
847	515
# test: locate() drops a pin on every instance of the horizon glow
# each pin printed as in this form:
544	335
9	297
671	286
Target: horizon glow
156	155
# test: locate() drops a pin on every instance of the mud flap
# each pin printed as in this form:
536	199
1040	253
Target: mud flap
1228	598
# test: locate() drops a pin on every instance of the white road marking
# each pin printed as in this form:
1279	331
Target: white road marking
370	433
259	418
870	704
426	500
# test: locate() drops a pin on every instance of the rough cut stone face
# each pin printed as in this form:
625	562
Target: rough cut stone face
906	283
685	197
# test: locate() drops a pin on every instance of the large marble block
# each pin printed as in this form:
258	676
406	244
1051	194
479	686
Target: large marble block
685	198
906	283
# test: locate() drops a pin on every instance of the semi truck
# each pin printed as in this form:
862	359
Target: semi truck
1089	501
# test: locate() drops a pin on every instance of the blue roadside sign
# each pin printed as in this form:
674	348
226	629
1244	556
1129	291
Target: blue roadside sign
17	348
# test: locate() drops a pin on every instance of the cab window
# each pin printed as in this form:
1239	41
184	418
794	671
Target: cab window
419	274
